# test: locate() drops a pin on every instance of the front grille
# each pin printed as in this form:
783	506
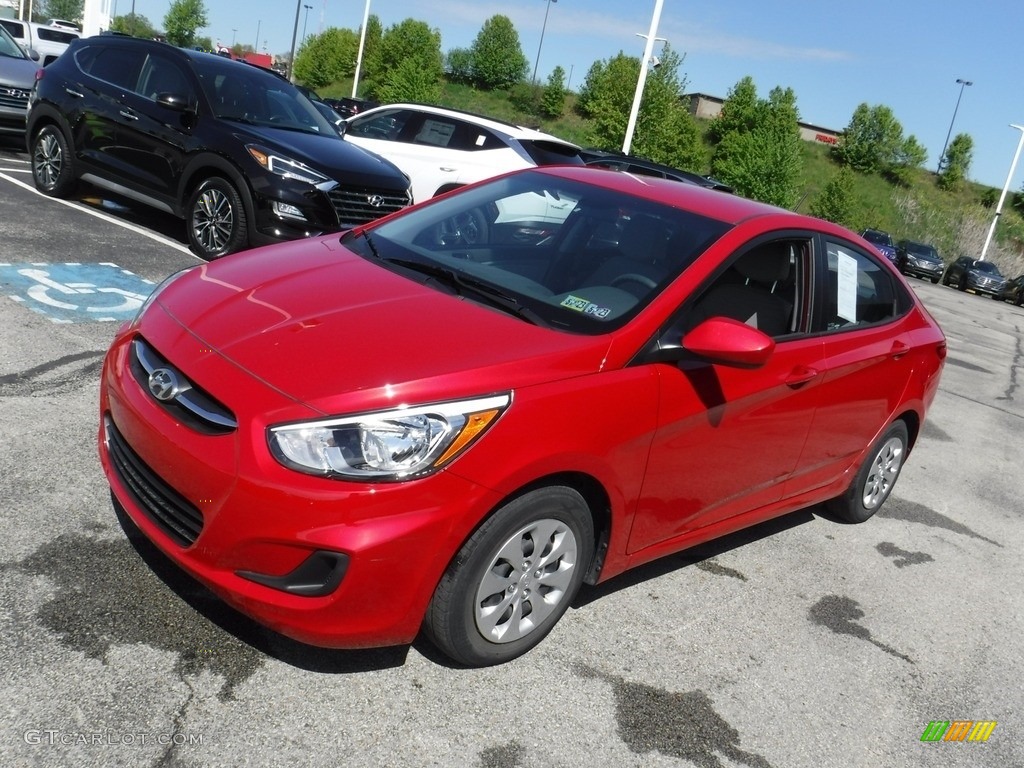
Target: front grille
358	205
182	399
171	511
14	98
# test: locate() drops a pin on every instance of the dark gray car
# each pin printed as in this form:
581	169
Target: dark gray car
17	74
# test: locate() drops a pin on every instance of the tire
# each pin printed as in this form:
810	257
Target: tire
1019	298
876	477
961	282
500	596
935	280
216	221
53	168
945	279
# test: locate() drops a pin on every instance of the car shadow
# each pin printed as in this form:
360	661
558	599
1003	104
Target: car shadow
103	201
248	631
698	554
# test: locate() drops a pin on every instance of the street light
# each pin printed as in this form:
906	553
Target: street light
233	33
305	21
295	34
547	10
362	43
1006	186
962	84
642	78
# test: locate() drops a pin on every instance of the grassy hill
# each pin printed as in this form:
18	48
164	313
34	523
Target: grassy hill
956	223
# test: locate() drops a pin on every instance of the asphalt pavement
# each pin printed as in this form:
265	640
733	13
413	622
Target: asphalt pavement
801	642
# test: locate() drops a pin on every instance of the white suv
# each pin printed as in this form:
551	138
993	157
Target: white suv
440	149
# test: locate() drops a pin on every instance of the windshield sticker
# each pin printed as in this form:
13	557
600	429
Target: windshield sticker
586	307
847	296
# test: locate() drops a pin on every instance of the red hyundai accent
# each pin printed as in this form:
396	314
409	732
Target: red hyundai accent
451	418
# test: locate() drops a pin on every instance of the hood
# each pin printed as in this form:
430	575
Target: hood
18	73
337	332
331	155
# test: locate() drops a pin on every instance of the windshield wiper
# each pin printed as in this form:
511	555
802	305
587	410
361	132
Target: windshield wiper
461	285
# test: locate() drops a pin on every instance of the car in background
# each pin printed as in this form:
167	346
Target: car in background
1013	291
919	260
617	161
49	42
233	149
348	106
388	431
882	241
442	149
17	76
982	277
61	23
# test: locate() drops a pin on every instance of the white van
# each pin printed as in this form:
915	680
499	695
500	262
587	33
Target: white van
48	42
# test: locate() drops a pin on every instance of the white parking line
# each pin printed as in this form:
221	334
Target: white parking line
132	227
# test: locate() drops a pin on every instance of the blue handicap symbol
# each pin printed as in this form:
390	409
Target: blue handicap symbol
76	293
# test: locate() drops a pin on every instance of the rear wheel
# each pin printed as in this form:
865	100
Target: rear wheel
52	165
513	579
216	219
876	477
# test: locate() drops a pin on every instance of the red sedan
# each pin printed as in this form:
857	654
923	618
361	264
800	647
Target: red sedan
451	418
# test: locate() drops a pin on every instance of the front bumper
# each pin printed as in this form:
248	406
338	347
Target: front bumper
329	563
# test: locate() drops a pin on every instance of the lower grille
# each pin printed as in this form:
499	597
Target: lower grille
162	504
356	206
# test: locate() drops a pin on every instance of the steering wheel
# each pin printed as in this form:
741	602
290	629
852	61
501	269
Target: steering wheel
467	228
633	277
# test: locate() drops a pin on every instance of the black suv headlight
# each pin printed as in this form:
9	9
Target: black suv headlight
284	166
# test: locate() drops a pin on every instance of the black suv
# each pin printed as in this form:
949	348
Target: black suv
979	276
616	161
235	150
919	259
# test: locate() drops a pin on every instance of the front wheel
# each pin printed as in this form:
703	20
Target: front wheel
513	579
52	164
876	477
216	219
935	280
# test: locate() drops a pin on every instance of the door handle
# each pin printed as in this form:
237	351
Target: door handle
127	113
447	170
800	376
899	349
76	94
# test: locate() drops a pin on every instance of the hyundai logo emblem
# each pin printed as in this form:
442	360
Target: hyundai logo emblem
375	200
163	384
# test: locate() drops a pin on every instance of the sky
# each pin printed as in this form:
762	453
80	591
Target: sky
904	54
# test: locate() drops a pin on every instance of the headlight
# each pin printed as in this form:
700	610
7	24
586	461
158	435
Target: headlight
387	445
285	166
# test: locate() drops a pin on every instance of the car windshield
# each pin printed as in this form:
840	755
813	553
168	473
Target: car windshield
876	237
254	96
987	267
555	252
920	249
8	47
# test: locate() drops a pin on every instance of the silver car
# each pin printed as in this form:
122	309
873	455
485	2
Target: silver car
17	75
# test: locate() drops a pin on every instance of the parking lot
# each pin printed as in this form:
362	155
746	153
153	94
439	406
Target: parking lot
801	642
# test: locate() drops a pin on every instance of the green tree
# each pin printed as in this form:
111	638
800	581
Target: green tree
458	65
552	103
740	111
957	162
408	64
498	60
183	18
762	157
326	58
69	10
909	157
135	25
835	201
872	142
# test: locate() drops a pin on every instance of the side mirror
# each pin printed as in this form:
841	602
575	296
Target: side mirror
175	101
729	342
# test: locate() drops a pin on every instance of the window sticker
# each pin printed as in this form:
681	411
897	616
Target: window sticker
480	140
577	304
435	132
846	298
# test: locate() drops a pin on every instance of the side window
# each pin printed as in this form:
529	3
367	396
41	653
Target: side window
857	291
113	65
765	287
162	76
385	126
437	132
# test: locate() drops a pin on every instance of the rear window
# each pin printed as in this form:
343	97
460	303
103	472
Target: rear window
55	35
551	152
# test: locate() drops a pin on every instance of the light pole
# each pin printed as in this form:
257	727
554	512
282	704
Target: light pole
962	84
541	43
295	34
642	78
233	33
362	43
256	47
1006	186
305	21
